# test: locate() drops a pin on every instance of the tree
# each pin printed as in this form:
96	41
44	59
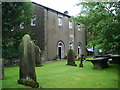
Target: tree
13	13
101	21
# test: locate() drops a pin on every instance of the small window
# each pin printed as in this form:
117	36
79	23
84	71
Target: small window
60	21
33	20
70	24
21	25
78	27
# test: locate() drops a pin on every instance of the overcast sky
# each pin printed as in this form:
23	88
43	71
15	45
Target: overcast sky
61	5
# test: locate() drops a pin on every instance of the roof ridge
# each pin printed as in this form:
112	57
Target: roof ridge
51	9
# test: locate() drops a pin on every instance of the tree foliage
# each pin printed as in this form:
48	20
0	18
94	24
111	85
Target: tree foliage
13	13
101	21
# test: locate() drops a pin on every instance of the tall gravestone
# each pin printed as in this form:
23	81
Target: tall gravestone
27	63
37	56
71	58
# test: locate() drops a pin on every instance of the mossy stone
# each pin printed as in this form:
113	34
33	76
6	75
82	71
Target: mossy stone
37	57
71	58
27	62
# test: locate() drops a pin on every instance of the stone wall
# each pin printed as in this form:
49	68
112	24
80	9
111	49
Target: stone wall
48	33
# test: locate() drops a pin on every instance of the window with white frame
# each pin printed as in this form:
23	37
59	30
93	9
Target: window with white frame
21	25
33	20
60	21
78	27
70	24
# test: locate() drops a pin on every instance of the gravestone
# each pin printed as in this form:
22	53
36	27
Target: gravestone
37	56
71	58
27	63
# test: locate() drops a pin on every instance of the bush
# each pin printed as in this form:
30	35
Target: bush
10	52
57	57
77	56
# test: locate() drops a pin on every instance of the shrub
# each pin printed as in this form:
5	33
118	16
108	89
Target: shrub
77	56
57	57
10	52
83	56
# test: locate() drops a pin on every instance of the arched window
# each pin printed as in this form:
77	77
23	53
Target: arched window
79	49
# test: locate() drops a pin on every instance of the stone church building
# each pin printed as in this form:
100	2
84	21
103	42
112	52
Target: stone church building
54	33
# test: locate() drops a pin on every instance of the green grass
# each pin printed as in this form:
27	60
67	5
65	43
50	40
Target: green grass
59	75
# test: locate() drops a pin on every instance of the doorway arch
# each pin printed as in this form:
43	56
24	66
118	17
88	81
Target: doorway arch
60	49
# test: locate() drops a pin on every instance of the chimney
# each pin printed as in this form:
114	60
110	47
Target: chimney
65	12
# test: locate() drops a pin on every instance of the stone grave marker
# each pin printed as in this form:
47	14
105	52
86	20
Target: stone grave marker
27	75
71	58
37	56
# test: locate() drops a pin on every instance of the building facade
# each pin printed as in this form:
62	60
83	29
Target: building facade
55	34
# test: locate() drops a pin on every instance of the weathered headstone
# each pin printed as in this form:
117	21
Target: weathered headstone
37	56
71	58
27	63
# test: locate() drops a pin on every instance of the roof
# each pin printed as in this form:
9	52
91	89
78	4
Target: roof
52	9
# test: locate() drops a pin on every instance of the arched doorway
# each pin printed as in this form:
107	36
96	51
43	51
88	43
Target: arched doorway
79	51
60	49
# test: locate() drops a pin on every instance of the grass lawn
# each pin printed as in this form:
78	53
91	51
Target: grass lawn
59	75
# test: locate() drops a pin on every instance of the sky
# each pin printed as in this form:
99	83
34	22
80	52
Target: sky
61	5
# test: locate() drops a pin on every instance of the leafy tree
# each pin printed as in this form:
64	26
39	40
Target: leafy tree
13	13
101	21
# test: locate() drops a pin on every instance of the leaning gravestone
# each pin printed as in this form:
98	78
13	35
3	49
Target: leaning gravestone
37	57
71	58
27	63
